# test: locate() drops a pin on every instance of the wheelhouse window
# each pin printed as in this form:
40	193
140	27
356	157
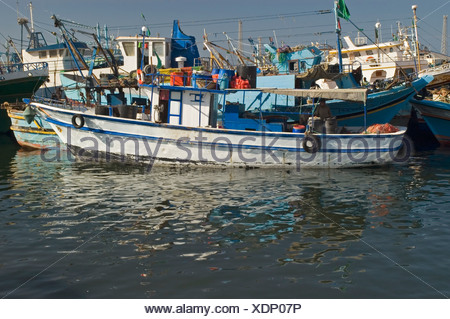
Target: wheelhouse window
128	47
293	66
158	47
53	53
369	52
42	54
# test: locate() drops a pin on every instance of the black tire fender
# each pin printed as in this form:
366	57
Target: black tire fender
78	121
421	94
311	143
149	69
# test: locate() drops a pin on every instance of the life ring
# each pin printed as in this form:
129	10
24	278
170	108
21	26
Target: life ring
311	143
371	59
140	76
74	121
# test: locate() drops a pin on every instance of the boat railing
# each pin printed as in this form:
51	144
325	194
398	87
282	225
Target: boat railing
440	68
183	79
18	67
62	104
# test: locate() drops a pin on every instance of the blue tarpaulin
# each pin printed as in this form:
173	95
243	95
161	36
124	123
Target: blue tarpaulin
183	45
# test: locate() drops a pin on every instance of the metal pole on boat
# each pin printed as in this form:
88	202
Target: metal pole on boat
144	30
31	17
377	38
365	116
200	111
151	102
106	37
338	35
414	7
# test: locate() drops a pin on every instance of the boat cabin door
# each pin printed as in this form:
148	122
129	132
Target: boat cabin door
160	110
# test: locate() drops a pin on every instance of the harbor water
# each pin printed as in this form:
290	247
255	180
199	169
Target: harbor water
92	230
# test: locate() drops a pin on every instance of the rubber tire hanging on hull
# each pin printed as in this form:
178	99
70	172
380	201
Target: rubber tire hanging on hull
74	121
311	143
421	94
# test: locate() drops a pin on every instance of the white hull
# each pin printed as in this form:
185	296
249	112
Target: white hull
105	138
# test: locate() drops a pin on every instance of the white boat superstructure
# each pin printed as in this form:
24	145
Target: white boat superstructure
378	62
57	57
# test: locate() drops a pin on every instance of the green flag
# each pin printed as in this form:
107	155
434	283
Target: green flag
342	10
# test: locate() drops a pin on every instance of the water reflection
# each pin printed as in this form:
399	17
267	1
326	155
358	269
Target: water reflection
221	227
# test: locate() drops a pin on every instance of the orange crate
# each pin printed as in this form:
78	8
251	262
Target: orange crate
176	78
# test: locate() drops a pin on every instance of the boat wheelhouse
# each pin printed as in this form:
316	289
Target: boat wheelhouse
56	56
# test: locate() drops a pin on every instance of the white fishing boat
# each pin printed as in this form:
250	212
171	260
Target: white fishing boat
382	61
188	125
440	73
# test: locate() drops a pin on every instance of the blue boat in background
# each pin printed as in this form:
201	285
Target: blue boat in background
37	134
381	106
437	115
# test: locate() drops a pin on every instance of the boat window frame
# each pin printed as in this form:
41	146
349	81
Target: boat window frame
159	47
129	48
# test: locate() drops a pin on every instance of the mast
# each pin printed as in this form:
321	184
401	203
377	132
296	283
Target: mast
106	37
144	31
338	35
444	36
31	17
414	7
240	36
377	38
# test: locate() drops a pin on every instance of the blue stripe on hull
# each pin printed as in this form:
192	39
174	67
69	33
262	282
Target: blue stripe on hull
234	146
183	128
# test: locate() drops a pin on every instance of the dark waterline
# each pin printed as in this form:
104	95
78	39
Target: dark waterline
77	230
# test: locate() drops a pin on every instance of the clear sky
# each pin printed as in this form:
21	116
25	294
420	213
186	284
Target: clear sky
293	22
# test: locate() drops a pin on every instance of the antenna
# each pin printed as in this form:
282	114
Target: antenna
444	36
240	36
31	16
276	40
414	8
